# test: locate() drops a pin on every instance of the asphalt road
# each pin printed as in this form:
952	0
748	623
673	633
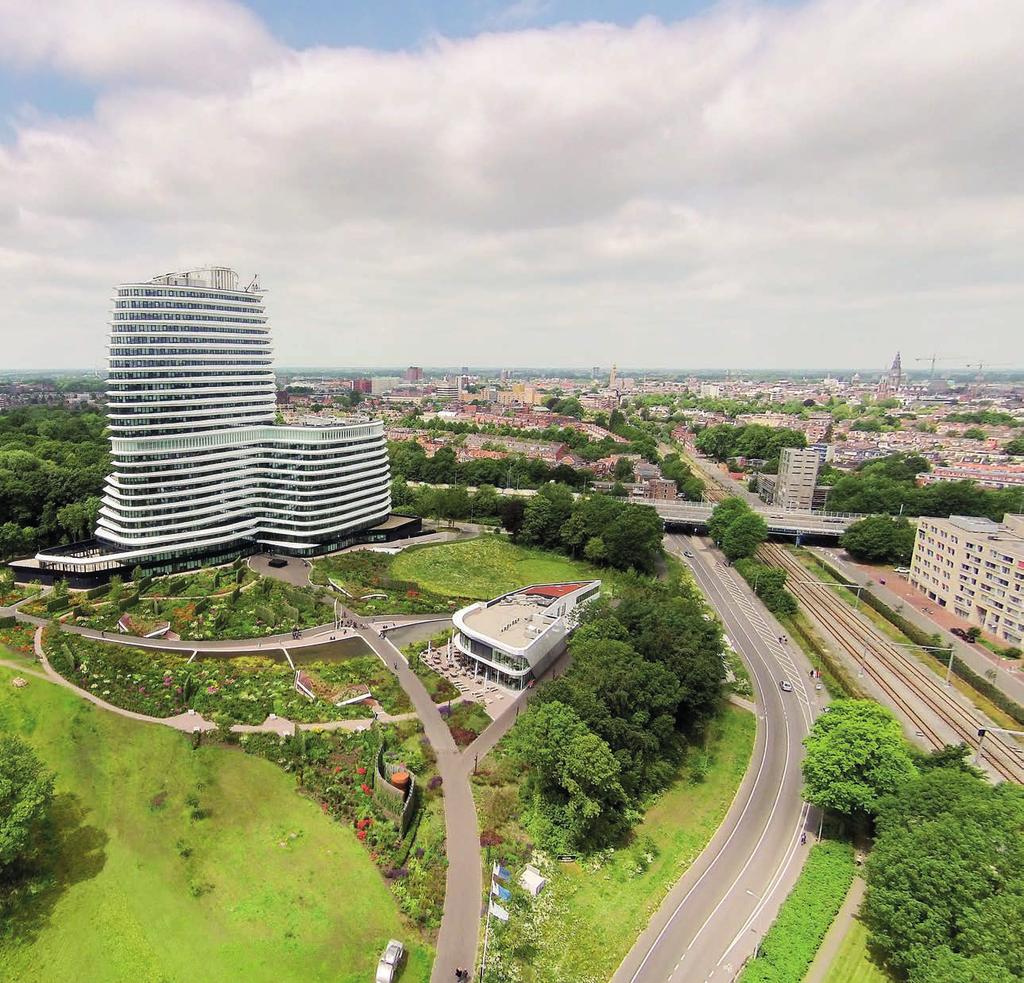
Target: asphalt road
715	915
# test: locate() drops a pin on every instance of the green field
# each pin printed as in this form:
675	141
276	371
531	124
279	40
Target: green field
853	962
485	567
261	886
591	913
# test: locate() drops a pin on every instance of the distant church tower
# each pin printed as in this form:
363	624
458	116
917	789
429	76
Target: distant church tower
613	377
896	374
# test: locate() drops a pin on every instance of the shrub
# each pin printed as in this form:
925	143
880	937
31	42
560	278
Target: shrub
790	945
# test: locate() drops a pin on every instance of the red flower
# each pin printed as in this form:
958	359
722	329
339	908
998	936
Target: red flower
360	770
365	788
361	834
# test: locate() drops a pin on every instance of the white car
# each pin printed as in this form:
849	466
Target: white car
786	686
390	962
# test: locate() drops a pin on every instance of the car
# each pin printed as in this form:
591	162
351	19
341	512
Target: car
390	962
277	562
960	633
786	686
688	554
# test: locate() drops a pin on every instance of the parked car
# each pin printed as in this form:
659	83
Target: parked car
786	686
277	562
390	962
960	633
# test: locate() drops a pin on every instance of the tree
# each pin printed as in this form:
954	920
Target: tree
511	512
574	796
723	515
26	793
546	513
628	701
945	899
623	470
633	538
880	539
744	535
1014	447
856	753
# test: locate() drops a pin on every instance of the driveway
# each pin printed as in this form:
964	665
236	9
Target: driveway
296	573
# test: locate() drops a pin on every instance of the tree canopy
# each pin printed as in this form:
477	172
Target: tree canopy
856	753
888	485
645	678
737	528
26	792
880	539
945	899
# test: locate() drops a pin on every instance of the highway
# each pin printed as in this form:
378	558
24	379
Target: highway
715	915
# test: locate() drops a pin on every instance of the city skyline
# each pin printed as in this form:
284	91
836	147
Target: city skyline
686	182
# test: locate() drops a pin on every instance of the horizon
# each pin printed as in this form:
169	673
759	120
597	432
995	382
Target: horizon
461	182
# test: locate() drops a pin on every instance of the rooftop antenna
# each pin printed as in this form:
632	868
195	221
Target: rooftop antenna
254	284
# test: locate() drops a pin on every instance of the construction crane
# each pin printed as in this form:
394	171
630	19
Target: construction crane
938	358
981	366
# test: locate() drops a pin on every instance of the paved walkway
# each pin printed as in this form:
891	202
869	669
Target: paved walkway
460	924
837	931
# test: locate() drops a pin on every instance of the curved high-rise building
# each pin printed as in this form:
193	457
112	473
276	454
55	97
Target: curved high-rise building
201	473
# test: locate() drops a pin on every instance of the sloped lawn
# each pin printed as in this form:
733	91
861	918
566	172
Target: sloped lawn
179	864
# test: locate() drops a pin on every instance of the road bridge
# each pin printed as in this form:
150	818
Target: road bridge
692	516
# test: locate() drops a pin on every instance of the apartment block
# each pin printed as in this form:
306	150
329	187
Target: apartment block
798	476
974	567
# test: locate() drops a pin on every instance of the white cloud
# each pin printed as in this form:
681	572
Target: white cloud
814	185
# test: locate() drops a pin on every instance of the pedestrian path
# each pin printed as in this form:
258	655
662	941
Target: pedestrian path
838	930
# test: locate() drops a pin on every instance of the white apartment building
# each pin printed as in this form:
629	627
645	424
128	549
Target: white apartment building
514	638
201	473
974	567
798	476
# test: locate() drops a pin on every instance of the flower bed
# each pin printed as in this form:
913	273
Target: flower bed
19	638
466	720
245	689
267	607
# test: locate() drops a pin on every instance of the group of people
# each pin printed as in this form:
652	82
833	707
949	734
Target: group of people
462	974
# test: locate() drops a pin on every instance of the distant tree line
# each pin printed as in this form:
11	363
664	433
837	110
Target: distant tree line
724	441
888	485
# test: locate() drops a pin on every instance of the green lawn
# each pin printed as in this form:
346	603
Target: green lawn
485	567
591	913
264	887
853	962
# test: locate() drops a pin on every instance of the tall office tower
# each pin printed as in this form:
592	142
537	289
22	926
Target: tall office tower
413	374
201	473
798	477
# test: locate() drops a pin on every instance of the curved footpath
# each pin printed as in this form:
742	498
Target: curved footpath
458	936
713	918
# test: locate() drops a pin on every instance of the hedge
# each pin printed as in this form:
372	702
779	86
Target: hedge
8	621
920	637
93	592
790	945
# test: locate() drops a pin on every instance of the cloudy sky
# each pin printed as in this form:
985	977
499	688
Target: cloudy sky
689	184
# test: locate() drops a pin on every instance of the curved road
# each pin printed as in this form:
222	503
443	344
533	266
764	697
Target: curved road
715	915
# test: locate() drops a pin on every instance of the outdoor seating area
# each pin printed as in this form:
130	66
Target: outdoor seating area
445	661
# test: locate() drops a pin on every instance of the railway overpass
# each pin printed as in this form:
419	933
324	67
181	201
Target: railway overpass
693	516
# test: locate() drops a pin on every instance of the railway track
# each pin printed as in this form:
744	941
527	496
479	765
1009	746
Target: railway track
886	664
